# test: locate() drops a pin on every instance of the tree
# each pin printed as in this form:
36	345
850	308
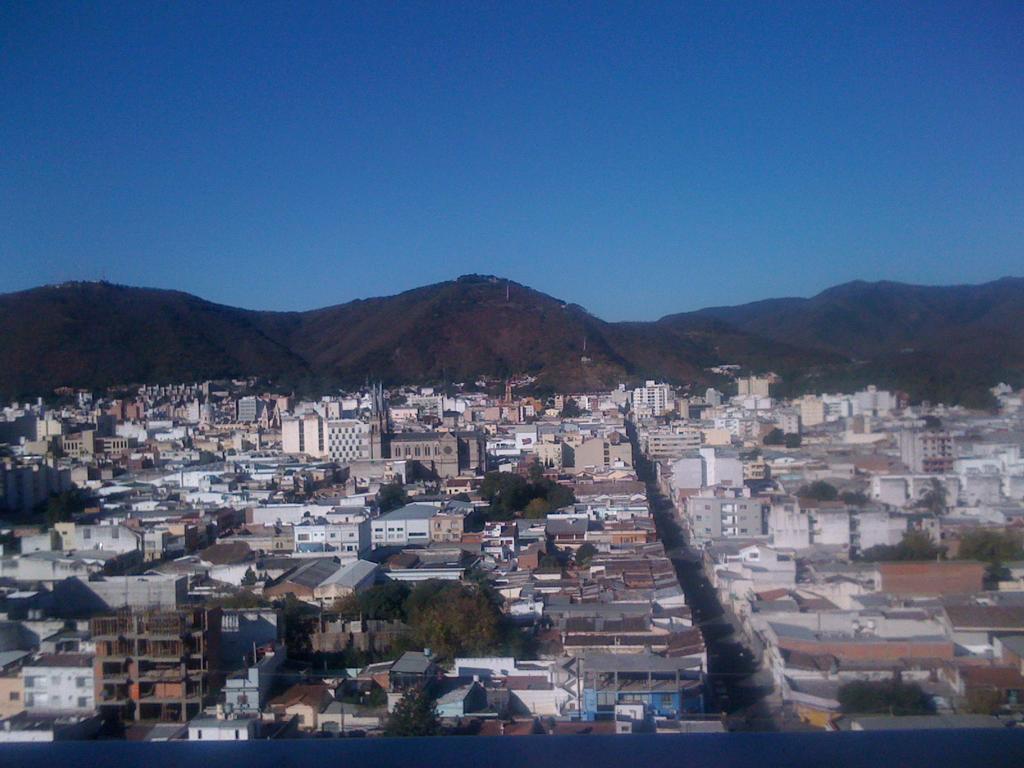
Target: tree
854	498
585	554
537	508
558	495
62	507
571	409
791	440
536	471
934	499
391	496
414	715
890	697
775	437
385	601
452	618
300	620
992	547
915	545
819	490
249	578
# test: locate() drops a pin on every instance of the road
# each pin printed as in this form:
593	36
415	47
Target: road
739	687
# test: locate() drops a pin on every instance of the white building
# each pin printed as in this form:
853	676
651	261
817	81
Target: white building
341	440
407	525
60	683
653	399
345	539
212	729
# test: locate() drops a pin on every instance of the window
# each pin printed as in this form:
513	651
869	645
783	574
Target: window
14	696
199	733
80	682
236	734
83	702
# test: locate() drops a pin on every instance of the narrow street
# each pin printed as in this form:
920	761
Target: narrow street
738	687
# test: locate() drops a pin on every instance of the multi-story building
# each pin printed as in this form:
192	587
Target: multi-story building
24	484
600	452
671	443
447	527
60	683
343	539
726	515
341	440
410	524
753	385
812	410
926	451
156	665
653	399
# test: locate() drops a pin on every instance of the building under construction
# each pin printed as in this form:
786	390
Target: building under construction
156	665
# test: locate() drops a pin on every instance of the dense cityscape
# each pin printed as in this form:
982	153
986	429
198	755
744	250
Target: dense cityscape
225	561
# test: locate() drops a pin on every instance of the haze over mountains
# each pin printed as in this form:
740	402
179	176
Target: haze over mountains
947	343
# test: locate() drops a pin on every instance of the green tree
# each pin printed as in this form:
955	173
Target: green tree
854	498
571	409
300	621
819	490
915	545
558	495
537	508
791	440
391	496
385	601
536	471
62	507
775	437
453	618
890	697
249	578
992	547
414	715
585	554
505	491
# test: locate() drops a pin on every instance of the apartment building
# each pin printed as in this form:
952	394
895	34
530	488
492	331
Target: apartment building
927	452
653	399
342	440
721	515
156	665
59	683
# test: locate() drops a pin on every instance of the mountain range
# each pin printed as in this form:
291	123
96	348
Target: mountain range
946	343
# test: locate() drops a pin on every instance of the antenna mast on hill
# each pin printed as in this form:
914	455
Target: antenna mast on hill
507	289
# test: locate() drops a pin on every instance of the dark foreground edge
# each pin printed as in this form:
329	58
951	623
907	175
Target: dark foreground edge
872	750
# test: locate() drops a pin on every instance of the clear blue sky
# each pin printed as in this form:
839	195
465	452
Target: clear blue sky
635	158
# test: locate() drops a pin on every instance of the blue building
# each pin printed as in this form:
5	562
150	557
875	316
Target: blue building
667	687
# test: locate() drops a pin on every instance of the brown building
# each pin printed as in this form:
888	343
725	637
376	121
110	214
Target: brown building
946	577
444	454
156	665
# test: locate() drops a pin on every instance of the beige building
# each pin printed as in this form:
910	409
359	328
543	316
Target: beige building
446	527
603	452
446	454
812	410
753	385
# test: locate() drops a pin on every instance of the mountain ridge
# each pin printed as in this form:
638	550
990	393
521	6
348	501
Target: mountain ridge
97	334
